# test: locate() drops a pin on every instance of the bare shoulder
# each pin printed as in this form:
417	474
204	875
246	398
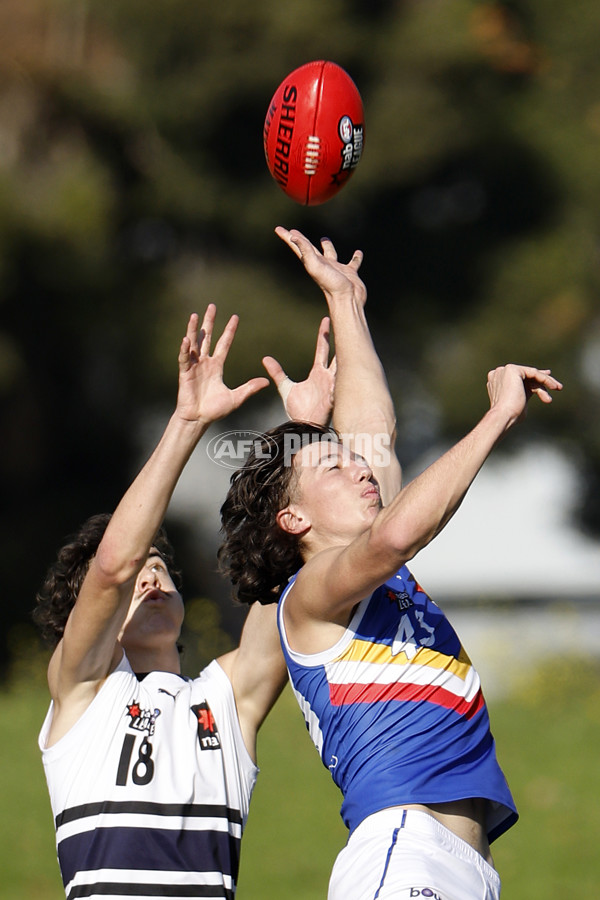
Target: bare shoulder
311	581
227	662
312	624
322	592
70	698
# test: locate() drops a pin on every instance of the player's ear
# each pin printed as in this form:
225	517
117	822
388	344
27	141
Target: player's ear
292	520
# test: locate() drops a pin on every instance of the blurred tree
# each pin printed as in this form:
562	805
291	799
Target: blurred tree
133	188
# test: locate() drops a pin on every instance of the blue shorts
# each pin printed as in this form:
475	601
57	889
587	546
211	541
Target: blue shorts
405	854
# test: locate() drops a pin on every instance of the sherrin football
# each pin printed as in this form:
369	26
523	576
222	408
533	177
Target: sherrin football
314	132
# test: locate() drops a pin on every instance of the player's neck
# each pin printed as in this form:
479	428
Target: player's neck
317	543
143	659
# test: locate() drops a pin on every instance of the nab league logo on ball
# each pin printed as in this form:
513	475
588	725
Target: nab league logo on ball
352	137
231	449
346	129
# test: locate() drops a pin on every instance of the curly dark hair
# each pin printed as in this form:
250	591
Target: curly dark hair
257	555
57	595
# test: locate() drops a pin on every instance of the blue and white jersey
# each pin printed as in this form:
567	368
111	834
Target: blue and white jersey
150	789
396	710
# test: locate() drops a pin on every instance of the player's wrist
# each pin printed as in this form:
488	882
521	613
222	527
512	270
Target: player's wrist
188	428
345	307
500	419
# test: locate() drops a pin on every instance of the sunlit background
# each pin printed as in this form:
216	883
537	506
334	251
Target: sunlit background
133	190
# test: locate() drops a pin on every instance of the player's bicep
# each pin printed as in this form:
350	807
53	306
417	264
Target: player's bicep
256	669
330	585
88	645
388	474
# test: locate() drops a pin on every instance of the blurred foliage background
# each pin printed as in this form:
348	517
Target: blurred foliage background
133	189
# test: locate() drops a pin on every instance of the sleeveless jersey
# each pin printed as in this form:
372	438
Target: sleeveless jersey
150	788
396	710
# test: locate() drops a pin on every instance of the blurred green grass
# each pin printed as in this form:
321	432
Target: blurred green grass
548	735
27	855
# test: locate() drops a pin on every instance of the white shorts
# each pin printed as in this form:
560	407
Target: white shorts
404	854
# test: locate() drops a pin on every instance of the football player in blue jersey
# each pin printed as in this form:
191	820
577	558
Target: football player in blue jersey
322	526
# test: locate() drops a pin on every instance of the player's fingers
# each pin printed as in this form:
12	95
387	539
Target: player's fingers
322	345
300	244
356	260
283	382
225	341
240	394
206	330
553	383
184	355
192	326
329	251
189	344
543	378
542	383
542	393
274	370
307	250
529	374
285	236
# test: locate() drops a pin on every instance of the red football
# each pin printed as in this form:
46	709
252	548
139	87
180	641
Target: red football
314	132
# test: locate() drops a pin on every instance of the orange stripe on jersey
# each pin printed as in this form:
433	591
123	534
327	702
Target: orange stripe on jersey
344	694
381	654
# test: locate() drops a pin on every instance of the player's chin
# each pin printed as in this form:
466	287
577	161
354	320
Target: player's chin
373	510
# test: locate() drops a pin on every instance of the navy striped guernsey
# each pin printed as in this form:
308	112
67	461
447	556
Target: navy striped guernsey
150	789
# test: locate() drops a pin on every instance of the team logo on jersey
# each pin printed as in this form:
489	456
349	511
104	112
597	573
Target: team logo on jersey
208	733
142	719
400	597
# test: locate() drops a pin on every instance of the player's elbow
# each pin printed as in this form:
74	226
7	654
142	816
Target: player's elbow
114	566
399	538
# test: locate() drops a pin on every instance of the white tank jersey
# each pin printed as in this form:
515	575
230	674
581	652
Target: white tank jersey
150	789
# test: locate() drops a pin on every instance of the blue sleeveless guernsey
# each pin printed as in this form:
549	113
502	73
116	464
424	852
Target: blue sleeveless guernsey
396	711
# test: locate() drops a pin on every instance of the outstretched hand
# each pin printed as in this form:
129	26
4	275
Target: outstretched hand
511	387
310	400
203	397
333	277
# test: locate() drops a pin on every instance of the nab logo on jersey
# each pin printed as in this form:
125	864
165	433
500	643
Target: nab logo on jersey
208	733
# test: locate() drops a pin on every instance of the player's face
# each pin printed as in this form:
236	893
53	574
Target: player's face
336	492
156	610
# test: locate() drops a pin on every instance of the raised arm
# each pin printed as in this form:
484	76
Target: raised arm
363	411
257	670
333	581
88	649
